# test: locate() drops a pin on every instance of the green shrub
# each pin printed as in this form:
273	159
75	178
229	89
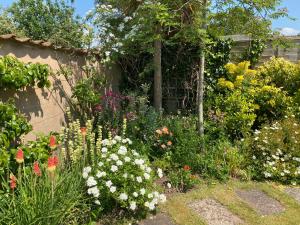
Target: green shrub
182	179
122	178
15	74
276	151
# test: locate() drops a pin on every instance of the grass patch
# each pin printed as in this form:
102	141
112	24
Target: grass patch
177	205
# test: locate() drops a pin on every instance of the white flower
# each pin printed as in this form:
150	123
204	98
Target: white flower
100	174
125	175
159	173
85	175
139	179
150	195
254	157
87	169
148	170
94	191
147	204
104	150
124	141
151	206
112	189
91	182
135	194
97	202
114	157
108	183
117	138
147	176
105	142
123	196
100	164
169	185
114	168
132	205
127	159
119	163
122	150
143	191
114	142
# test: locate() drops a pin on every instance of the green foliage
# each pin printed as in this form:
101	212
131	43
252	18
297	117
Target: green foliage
15	74
276	153
57	198
182	179
282	73
13	125
49	20
253	53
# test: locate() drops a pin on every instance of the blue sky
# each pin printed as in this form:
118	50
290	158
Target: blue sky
288	26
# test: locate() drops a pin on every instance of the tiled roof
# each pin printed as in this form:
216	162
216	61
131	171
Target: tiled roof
45	44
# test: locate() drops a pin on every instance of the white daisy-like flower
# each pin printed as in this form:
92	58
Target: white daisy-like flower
104	150
101	174
114	157
150	195
114	168
135	194
124	141
132	205
139	179
147	176
91	182
123	196
117	138
148	170
125	175
169	185
142	191
85	175
112	189
114	142
108	183
94	191
119	163
122	150
100	164
87	169
159	173
127	159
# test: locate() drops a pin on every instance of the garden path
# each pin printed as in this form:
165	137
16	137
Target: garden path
232	204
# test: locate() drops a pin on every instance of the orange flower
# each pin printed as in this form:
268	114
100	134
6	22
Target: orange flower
186	168
20	156
36	169
169	143
165	130
52	163
159	132
83	131
12	181
52	142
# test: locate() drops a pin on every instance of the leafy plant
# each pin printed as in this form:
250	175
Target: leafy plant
15	74
182	179
276	152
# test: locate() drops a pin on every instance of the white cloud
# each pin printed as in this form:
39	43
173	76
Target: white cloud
288	31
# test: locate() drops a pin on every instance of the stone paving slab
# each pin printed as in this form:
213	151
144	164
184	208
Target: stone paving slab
294	192
159	219
261	202
214	213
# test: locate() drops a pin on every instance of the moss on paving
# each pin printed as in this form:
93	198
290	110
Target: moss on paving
177	205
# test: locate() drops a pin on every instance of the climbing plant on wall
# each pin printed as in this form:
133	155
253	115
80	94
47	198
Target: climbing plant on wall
15	74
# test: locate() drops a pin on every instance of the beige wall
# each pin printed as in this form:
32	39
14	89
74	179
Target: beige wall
45	108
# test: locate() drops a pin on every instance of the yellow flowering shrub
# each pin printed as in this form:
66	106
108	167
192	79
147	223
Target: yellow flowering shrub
249	98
